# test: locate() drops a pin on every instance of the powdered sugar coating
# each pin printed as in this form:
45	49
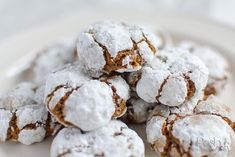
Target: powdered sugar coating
22	118
110	46
21	95
121	93
175	131
77	100
216	63
51	58
212	105
195	134
155	135
190	135
137	111
114	139
173	78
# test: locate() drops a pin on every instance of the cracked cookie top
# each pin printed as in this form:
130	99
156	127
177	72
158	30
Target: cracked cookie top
216	63
207	130
75	99
115	139
23	118
109	46
51	58
173	78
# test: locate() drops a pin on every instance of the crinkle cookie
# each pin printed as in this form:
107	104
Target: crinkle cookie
77	100
173	78
216	63
137	111
114	139
208	131
109	46
22	118
51	58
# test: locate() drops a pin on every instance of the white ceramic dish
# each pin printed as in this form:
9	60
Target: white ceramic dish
15	52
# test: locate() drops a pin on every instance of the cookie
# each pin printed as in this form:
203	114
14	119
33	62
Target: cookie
216	63
115	139
207	131
173	78
137	111
108	46
77	100
51	58
23	119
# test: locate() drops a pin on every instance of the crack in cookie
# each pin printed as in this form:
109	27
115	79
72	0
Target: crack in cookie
13	130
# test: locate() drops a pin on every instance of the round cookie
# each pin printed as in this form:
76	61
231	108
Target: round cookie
207	131
75	99
114	139
137	111
109	46
51	58
216	63
23	118
173	78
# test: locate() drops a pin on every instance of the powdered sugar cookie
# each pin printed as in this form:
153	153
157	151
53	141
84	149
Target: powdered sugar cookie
207	130
22	118
114	139
137	111
109	46
173	78
51	58
77	100
216	63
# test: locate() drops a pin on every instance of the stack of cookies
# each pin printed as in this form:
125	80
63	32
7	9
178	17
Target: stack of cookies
113	75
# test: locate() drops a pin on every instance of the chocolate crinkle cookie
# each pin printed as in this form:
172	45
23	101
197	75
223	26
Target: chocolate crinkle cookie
173	78
216	63
51	58
107	47
77	100
23	117
207	131
114	139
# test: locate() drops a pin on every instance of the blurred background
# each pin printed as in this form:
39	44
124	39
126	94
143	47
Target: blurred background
19	15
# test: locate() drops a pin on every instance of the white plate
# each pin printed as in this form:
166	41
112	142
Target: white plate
14	50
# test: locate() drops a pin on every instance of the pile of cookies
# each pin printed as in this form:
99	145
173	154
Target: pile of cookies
85	90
